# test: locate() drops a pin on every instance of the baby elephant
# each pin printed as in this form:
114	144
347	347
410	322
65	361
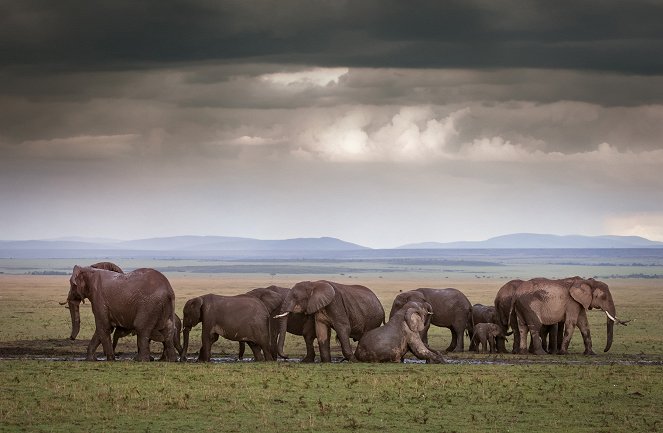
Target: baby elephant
486	333
390	342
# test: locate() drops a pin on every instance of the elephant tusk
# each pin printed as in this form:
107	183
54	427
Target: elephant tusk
616	320
281	315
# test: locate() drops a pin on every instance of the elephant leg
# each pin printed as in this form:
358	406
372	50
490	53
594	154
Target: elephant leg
460	338
310	351
143	347
323	334
569	326
242	347
207	339
552	339
107	345
454	341
513	322
92	347
583	325
560	336
491	342
534	331
344	338
257	353
522	331
116	337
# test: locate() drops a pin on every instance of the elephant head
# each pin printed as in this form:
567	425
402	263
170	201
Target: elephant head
591	293
416	316
405	297
308	297
79	289
192	315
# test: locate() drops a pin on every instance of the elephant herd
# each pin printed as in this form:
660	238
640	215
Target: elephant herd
142	302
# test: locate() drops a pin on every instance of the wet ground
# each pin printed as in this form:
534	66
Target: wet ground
67	350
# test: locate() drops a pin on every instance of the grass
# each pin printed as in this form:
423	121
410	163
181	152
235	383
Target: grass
572	393
283	397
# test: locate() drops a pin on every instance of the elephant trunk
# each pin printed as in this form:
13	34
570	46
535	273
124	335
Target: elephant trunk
75	319
283	328
185	343
610	325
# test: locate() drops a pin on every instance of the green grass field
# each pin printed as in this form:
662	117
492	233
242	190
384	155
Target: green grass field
621	391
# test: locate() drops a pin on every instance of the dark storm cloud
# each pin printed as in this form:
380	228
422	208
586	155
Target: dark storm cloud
421	34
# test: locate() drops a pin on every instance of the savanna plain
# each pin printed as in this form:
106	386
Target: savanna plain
46	387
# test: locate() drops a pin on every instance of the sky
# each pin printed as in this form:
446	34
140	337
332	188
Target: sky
378	122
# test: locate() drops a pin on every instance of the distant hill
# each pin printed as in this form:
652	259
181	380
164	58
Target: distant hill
542	241
185	244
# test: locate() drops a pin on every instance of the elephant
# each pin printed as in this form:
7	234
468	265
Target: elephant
109	266
542	301
505	316
351	310
487	334
142	301
237	318
122	332
390	342
484	314
451	309
295	323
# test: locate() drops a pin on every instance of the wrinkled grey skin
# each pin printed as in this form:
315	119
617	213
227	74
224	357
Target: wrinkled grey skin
237	318
142	301
351	310
541	301
451	309
390	343
294	323
486	334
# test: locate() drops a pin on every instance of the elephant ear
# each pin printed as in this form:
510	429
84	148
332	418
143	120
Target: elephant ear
77	283
192	313
414	320
272	300
321	295
582	293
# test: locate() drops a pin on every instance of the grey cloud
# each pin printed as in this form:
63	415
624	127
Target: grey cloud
420	34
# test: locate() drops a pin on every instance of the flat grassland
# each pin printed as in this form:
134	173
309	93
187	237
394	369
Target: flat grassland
44	387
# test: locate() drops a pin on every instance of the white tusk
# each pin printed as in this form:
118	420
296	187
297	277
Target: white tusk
609	316
281	315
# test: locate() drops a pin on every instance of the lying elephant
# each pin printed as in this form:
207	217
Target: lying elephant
390	343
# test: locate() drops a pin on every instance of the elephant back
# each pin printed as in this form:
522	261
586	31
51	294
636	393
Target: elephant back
364	309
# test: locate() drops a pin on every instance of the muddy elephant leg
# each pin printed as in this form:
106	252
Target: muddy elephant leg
513	322
107	344
459	331
207	338
522	331
257	352
583	325
569	326
143	347
343	334
323	334
535	334
92	347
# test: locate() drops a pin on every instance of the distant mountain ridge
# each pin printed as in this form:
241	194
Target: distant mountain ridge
543	241
186	243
